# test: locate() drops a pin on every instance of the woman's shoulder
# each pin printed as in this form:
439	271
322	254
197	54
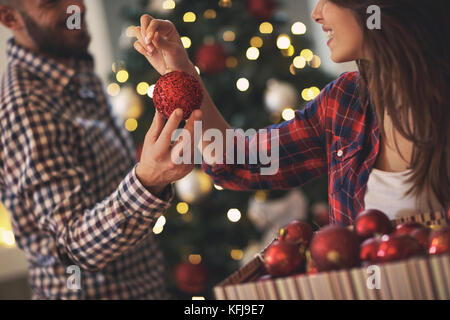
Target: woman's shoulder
343	90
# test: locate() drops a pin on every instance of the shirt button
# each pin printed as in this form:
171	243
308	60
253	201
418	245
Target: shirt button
340	153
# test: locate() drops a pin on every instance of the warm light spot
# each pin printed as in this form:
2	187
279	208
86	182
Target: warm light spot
142	88
231	62
229	36
209	14
234	215
288	114
225	3
298	28
307	54
315	62
122	76
266	28
256	42
299	62
260	195
131	124
134	111
289	52
292	69
150	91
189	17
168	4
314	92
242	84
218	187
283	41
186	42
252	53
198	69
237	254
195	258
157	229
113	89
182	207
7	238
198	298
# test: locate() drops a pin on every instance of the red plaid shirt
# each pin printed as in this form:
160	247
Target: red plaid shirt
334	134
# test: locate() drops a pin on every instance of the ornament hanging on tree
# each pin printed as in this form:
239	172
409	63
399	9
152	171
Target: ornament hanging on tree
177	89
190	278
261	9
127	104
210	58
280	95
194	187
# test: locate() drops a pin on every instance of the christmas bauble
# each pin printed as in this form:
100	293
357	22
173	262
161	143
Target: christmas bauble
335	247
211	58
440	241
298	232
407	228
368	250
193	187
190	278
177	89
397	247
280	95
320	212
422	235
261	9
282	258
371	222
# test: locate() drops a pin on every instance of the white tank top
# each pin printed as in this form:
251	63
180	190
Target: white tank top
385	192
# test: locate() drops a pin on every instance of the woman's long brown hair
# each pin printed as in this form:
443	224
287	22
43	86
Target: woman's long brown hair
408	77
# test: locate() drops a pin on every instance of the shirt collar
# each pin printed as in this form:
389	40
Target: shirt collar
55	73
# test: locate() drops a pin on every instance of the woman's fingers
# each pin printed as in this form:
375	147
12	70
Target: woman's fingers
164	27
145	21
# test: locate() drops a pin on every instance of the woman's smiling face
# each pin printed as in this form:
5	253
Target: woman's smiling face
344	32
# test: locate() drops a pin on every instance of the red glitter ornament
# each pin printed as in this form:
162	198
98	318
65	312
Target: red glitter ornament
261	9
283	258
372	222
190	278
440	242
369	249
298	232
175	90
335	247
211	58
408	228
397	247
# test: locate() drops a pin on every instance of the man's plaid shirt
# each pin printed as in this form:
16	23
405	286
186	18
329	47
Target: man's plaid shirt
67	176
335	135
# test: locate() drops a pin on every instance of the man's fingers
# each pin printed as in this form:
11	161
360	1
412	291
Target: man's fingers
156	127
165	138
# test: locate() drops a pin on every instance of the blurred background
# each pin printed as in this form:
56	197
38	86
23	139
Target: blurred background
261	60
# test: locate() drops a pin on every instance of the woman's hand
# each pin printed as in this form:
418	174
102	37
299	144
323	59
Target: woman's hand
160	43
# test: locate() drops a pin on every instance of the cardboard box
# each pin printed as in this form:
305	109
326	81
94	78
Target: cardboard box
419	278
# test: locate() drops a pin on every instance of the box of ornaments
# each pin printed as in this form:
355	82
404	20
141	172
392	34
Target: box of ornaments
375	259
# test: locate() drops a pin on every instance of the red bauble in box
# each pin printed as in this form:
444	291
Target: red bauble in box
261	9
190	278
335	247
440	242
177	89
422	235
372	222
368	250
298	232
407	228
397	247
211	58
283	258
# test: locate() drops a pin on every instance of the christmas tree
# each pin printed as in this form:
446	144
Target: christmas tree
258	69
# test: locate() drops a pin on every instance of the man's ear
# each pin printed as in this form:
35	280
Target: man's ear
10	18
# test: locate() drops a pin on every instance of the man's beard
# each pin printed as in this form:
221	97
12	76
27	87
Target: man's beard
52	42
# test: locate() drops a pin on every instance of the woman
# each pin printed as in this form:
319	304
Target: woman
381	134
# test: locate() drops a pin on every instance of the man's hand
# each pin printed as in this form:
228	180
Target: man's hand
156	169
160	43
